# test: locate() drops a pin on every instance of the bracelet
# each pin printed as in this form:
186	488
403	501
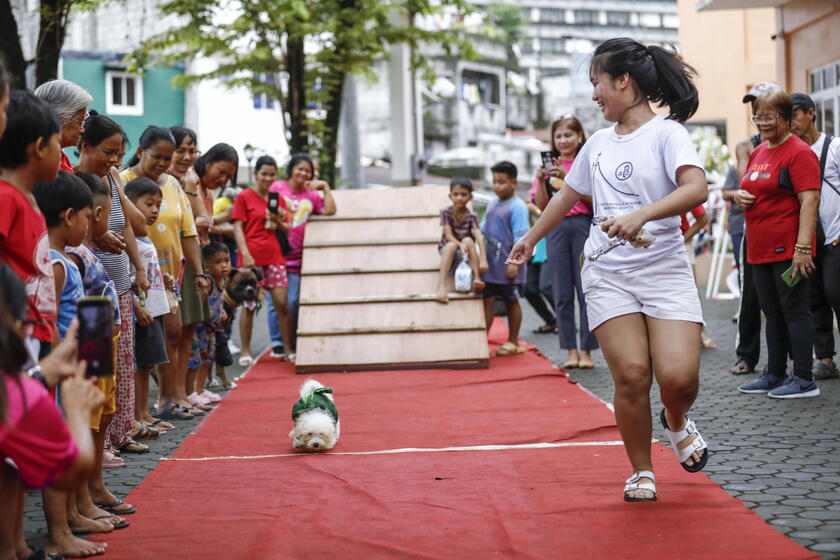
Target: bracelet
803	245
802	251
35	372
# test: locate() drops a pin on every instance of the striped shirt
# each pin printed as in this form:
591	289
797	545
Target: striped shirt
116	265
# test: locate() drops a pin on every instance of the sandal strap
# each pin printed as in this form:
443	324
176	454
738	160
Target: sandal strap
698	444
634	484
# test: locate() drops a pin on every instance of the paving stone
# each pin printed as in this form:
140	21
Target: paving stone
796	522
805	502
826	547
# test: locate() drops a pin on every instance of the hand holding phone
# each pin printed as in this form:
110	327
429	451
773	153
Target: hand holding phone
273	202
96	332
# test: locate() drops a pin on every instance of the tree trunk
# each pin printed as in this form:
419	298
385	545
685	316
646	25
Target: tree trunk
330	146
51	32
296	106
10	52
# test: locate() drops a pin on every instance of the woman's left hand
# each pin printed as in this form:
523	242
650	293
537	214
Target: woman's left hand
202	284
803	265
142	282
316	185
624	227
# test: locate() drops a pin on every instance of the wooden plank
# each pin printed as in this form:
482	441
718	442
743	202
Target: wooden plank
345	368
381	349
389	228
364	259
369	270
391	202
399	298
373	242
319	318
394	330
335	286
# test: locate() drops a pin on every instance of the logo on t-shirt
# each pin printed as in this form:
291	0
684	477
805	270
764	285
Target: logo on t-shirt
755	175
624	171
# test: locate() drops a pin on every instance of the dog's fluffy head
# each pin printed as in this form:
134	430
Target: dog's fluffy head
314	431
243	285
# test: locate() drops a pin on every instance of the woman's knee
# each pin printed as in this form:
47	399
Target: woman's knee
678	387
632	378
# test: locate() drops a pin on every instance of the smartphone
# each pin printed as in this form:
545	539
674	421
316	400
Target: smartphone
786	277
547	160
273	202
96	333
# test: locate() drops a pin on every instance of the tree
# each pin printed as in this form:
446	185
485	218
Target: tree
53	17
296	51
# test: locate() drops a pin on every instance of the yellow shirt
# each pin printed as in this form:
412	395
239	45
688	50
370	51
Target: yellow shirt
221	204
175	221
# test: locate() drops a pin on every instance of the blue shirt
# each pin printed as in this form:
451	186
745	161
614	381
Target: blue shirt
70	294
504	223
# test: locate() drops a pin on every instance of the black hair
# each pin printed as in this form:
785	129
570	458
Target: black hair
181	132
505	167
151	136
212	249
96	185
296	159
5	80
219	152
98	128
28	119
13	354
264	160
54	197
461	182
661	75
141	186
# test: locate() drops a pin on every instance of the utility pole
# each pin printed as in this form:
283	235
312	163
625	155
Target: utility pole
348	135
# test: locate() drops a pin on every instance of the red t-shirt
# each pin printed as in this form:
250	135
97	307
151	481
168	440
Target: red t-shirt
773	219
697	212
249	208
65	163
25	247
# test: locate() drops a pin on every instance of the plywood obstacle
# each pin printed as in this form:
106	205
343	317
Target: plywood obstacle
367	288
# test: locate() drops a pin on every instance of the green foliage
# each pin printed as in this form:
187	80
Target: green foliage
507	20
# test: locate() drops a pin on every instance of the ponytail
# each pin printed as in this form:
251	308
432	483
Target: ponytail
151	136
661	75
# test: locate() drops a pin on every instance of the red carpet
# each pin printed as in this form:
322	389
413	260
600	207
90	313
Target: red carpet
562	502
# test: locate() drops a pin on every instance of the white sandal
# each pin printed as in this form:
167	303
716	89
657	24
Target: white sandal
634	484
245	361
698	444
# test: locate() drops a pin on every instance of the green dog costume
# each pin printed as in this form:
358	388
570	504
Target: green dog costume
318	399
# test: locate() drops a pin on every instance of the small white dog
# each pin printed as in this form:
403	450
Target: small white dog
317	427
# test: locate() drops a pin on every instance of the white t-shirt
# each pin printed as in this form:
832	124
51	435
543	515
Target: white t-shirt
156	302
829	197
623	173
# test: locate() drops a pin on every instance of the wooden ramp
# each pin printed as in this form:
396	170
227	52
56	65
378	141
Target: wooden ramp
367	288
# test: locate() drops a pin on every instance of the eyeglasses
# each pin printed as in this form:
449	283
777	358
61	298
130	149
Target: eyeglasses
769	119
80	122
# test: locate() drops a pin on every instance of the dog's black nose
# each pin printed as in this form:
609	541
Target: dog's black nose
316	444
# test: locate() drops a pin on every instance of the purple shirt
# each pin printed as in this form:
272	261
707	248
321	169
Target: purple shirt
461	229
302	204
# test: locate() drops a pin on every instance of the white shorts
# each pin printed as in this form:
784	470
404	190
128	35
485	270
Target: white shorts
663	290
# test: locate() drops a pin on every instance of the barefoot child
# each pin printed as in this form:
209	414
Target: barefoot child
150	344
203	356
461	236
505	222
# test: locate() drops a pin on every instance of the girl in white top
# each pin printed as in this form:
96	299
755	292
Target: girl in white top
641	303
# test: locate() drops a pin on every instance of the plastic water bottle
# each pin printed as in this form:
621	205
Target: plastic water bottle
463	277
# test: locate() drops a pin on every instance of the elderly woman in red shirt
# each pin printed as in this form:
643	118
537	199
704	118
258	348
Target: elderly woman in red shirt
780	192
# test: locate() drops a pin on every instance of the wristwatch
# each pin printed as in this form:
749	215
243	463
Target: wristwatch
35	372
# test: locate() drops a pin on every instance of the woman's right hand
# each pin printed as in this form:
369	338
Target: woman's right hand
558	170
111	242
521	252
80	393
61	362
743	198
541	174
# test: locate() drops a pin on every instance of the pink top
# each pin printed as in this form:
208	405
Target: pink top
580	206
35	435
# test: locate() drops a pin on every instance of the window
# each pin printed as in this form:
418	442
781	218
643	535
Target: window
262	100
650	20
550	15
671	21
825	90
548	45
479	87
123	94
586	17
621	19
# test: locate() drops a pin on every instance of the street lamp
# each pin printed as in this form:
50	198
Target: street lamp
249	155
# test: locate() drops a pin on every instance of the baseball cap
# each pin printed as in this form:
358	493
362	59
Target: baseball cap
802	101
759	88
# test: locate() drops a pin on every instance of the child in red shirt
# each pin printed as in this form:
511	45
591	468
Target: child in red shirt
30	151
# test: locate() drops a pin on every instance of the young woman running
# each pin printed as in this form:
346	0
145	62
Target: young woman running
642	303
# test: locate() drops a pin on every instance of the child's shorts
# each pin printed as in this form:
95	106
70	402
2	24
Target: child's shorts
150	344
203	346
506	292
108	386
274	276
662	290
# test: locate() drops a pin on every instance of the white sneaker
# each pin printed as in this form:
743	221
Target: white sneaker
211	396
291	357
234	349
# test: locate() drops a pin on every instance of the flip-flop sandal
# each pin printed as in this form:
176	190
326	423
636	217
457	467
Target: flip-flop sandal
132	446
634	484
586	365
40	554
570	364
171	411
162	425
146	433
741	367
111	461
509	349
121	525
245	361
544	329
698	444
110	508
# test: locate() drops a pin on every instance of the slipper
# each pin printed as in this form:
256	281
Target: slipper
741	367
245	361
544	329
111	508
171	411
634	484
586	365
707	343
162	425
509	349
121	525
570	364
132	446
111	461
698	444
146	433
